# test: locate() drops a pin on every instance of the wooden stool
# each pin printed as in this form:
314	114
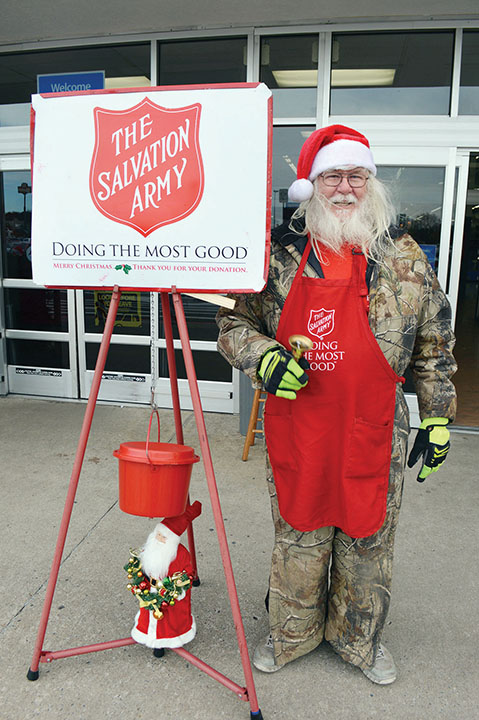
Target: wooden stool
259	397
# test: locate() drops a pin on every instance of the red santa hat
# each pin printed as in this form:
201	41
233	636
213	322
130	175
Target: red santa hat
331	147
178	524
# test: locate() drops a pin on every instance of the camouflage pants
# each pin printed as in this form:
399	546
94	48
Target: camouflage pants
325	584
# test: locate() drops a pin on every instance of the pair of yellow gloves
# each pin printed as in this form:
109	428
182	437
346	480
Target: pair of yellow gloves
283	376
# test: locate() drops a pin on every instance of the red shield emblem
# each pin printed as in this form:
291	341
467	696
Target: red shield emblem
147	169
321	322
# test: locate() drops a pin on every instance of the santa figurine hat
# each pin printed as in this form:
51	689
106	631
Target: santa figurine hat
178	524
332	147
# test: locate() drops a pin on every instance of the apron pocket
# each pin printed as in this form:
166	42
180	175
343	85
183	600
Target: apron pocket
366	479
369	454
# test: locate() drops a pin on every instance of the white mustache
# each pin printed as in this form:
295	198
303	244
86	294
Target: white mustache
340	198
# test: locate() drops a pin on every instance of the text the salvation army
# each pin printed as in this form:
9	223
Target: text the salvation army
144	161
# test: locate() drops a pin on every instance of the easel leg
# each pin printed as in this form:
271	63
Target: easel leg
215	502
170	353
72	488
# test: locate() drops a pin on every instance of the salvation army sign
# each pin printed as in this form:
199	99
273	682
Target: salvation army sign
152	188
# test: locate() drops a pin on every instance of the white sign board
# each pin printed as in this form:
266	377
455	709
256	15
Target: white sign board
153	189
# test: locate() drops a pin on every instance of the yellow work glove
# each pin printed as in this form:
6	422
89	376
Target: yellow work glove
432	443
281	374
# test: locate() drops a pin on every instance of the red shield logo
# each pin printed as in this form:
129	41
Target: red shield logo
321	322
146	169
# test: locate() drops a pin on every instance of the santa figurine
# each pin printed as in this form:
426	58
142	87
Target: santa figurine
160	576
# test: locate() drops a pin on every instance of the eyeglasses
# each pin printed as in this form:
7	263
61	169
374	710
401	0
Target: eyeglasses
333	179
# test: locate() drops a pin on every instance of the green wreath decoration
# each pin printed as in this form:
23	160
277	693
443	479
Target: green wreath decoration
167	591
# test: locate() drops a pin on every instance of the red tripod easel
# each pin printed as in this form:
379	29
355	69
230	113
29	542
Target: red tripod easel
40	655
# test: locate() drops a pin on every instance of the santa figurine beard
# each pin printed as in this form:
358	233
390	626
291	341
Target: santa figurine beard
157	555
164	556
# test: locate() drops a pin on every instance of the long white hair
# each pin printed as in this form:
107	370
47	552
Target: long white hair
366	226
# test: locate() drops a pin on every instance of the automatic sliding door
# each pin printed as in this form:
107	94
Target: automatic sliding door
467	315
39	331
422	187
218	383
127	375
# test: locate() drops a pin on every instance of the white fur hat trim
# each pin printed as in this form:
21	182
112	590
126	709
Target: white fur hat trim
166	531
340	153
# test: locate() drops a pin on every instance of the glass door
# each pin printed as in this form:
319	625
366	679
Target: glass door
38	323
137	363
49	339
218	382
465	266
127	375
423	183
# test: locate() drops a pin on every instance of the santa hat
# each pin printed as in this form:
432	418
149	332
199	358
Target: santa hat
178	524
328	148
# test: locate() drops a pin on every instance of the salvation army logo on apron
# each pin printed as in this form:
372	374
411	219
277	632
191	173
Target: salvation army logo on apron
147	169
321	322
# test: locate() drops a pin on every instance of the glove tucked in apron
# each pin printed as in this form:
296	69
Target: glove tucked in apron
330	449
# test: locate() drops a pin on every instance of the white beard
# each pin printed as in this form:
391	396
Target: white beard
156	557
336	227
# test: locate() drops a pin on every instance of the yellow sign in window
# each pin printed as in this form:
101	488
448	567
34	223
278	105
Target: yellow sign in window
129	310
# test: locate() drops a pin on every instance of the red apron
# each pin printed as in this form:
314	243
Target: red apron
330	449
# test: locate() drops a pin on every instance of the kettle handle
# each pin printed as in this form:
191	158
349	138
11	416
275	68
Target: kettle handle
154	412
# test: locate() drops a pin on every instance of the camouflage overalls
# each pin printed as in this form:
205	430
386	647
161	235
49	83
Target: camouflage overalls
324	583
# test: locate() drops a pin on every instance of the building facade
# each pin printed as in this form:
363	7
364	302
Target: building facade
410	84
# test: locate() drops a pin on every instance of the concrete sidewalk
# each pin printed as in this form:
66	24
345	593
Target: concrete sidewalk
432	628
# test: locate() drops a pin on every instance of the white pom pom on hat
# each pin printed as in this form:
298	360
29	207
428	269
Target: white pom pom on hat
301	190
328	148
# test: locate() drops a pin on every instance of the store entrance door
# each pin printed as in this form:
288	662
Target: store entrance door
137	361
49	339
38	323
467	315
422	184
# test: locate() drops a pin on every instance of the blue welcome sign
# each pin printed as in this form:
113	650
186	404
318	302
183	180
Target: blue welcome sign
71	82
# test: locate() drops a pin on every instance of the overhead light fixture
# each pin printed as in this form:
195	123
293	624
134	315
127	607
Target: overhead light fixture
295	78
290	163
355	77
362	77
125	82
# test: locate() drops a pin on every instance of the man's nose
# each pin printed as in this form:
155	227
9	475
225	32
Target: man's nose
344	186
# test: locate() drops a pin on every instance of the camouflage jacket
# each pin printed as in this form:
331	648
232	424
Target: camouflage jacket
408	314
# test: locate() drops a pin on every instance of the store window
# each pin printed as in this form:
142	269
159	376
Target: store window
191	62
121	358
16	213
391	73
469	92
287	144
466	350
289	67
35	309
126	65
208	366
132	318
34	355
200	318
417	193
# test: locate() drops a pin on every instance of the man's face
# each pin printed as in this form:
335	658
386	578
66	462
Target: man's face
160	537
342	196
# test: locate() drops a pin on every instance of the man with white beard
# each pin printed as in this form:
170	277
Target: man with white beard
364	294
162	557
